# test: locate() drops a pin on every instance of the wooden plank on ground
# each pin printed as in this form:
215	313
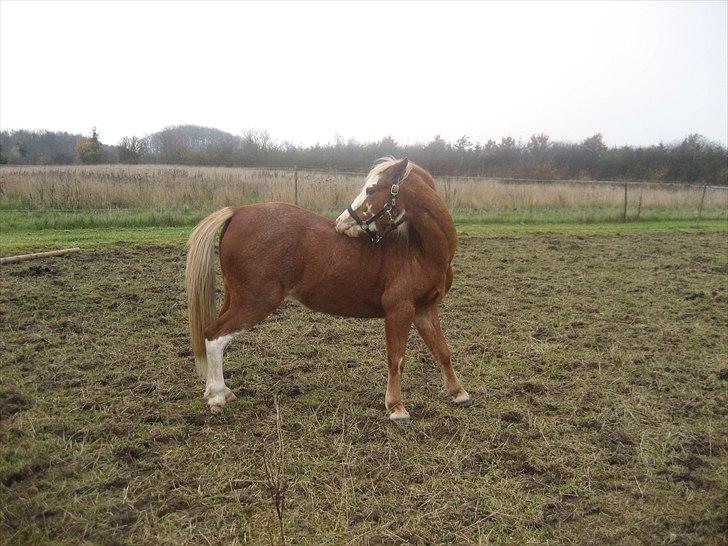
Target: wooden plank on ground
23	257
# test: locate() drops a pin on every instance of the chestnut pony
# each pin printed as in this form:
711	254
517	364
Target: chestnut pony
387	256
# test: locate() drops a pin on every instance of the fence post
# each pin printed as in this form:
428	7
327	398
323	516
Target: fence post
702	202
639	204
295	185
624	211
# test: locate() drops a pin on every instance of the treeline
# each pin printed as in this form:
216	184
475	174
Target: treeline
693	160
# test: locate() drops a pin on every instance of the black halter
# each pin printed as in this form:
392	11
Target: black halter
388	209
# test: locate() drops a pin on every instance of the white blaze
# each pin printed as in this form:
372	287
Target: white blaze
345	222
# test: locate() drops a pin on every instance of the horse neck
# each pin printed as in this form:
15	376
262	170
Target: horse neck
431	227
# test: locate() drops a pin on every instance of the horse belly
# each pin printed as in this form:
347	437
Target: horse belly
338	302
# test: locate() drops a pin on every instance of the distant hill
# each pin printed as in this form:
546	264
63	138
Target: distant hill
175	144
184	142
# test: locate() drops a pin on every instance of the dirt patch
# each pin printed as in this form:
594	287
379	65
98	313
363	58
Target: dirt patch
12	402
27	472
511	417
49	270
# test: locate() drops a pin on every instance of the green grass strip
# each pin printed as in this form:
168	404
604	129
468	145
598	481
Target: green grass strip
49	239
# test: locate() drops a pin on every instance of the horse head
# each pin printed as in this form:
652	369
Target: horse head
378	208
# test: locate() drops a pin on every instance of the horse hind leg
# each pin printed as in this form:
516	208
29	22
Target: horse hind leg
216	392
428	325
237	316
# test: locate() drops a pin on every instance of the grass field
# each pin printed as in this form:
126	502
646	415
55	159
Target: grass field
597	356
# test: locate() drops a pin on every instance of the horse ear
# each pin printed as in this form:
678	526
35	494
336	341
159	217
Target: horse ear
398	169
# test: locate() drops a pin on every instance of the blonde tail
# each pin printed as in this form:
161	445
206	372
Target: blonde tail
200	282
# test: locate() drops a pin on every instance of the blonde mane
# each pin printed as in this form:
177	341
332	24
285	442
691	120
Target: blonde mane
383	163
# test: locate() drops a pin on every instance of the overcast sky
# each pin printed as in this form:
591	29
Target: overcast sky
639	73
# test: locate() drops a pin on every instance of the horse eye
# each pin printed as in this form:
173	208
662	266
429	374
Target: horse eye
370	191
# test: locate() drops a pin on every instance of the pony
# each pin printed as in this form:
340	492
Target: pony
388	255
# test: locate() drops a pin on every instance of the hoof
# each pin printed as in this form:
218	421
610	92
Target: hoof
399	416
463	400
400	420
216	403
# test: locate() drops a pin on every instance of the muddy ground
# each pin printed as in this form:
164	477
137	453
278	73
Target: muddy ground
598	367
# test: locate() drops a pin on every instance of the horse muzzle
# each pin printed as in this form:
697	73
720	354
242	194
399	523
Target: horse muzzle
346	225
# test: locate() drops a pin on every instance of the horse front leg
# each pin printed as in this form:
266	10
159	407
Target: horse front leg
428	325
397	325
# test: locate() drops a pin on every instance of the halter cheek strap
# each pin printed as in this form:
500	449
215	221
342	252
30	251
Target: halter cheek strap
374	236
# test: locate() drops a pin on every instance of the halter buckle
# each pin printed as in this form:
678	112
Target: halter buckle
395	189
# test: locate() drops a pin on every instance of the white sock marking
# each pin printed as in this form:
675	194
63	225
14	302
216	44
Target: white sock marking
215	388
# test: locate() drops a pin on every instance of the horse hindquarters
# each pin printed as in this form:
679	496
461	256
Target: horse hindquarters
251	294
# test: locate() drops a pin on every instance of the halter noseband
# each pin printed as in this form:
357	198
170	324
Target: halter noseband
391	205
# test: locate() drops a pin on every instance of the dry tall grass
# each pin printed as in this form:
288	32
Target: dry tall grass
144	186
